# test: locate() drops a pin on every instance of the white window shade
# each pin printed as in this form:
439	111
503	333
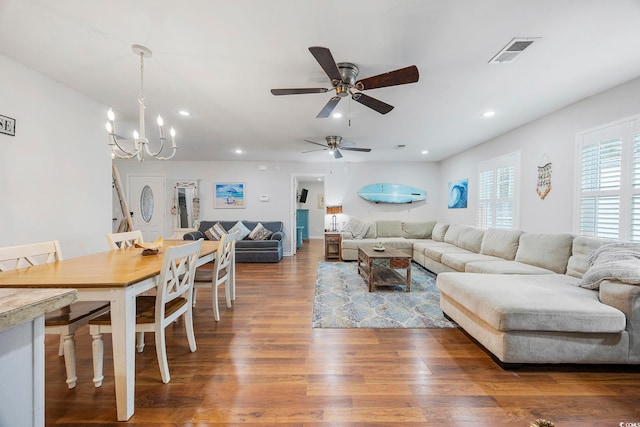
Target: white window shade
497	192
608	202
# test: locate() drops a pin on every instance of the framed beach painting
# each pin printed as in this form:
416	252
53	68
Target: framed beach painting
229	195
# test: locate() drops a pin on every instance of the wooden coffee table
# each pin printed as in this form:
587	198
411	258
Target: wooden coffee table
379	268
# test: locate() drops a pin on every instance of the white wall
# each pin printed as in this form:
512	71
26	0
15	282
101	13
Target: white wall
55	174
342	181
555	135
317	215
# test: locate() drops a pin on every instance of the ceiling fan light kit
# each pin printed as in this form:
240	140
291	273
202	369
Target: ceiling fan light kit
343	77
335	144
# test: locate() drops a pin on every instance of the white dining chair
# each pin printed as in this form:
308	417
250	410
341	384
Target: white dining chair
124	240
223	272
155	312
65	321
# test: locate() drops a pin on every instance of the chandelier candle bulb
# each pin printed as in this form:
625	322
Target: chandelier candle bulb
160	123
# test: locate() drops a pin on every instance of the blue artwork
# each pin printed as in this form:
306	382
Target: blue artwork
458	194
229	195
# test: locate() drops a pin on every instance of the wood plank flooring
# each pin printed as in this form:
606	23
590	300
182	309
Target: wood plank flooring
263	365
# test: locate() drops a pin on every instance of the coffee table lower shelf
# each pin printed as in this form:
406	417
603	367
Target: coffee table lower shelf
377	275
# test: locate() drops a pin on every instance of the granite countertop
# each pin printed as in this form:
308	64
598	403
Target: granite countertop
23	305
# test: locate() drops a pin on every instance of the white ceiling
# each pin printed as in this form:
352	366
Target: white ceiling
219	59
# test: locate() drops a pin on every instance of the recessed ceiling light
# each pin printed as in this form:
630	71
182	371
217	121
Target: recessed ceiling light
489	113
238	151
336	115
424	152
184	113
319	179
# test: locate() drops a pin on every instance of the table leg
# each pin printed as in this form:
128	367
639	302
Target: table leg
123	313
409	278
370	263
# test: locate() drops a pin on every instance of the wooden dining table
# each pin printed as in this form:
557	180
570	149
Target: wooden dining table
116	276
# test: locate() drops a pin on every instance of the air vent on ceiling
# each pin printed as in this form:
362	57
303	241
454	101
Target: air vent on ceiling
399	147
514	48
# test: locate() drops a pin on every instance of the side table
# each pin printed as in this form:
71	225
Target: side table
332	245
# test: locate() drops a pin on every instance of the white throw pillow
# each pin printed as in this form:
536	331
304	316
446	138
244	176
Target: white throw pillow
240	230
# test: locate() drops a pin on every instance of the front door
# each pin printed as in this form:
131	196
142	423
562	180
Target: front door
147	202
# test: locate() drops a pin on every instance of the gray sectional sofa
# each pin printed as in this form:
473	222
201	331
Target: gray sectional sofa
527	297
248	250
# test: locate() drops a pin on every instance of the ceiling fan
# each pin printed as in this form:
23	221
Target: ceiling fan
343	79
335	144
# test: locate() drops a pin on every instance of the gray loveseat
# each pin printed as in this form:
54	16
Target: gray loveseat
527	297
248	250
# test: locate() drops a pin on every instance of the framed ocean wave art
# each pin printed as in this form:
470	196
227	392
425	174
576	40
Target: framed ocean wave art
458	194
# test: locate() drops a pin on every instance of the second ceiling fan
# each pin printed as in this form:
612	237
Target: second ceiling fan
335	144
343	79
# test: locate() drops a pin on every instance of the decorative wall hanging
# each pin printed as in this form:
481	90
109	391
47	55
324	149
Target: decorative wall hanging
321	201
228	195
391	193
458	194
7	125
544	177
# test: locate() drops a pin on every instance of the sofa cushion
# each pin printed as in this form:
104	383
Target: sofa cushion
215	232
435	252
259	233
453	233
417	230
582	247
470	238
550	251
531	303
439	230
388	229
419	246
240	230
500	243
504	267
458	260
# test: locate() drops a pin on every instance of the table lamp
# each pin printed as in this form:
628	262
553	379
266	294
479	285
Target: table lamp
333	210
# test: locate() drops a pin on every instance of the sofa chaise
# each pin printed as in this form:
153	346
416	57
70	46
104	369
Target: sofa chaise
528	297
248	248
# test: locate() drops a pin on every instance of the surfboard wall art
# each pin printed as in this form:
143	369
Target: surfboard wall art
391	193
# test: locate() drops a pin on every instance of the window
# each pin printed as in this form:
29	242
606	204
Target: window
498	181
608	201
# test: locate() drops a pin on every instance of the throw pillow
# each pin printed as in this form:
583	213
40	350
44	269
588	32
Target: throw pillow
259	233
215	232
240	230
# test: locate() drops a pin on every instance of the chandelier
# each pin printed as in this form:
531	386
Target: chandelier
140	142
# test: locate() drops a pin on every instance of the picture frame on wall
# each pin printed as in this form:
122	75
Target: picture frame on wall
458	194
229	195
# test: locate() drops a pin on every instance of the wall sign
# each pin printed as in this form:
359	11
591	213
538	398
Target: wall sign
7	125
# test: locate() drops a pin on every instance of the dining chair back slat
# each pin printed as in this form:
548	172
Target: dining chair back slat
66	321
124	240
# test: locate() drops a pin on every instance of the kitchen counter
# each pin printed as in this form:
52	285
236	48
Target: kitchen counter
23	305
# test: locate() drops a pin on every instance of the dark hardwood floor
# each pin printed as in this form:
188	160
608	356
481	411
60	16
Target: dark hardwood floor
263	364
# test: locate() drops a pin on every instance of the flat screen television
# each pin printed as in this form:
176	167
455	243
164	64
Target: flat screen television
303	195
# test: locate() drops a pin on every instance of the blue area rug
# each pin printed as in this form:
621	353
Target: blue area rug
343	300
